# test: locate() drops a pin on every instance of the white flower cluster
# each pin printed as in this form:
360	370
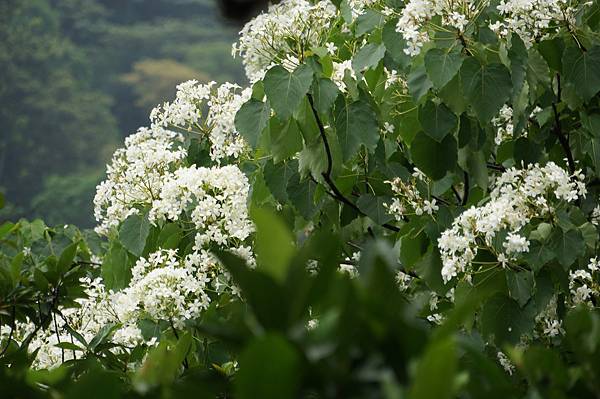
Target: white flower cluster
213	199
286	32
533	19
410	201
503	124
136	174
94	312
505	362
415	19
548	322
518	197
207	110
583	284
165	287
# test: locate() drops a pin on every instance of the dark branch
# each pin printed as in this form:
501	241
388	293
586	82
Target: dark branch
327	174
562	138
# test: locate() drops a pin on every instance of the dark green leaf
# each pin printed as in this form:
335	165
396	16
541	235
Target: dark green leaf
520	285
116	267
270	367
368	57
582	70
372	206
433	158
438	364
251	120
503	319
285	90
278	176
274	244
442	65
324	94
487	87
356	125
437	120
133	233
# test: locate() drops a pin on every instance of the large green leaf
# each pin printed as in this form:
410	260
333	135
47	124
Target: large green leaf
567	245
374	208
286	138
133	233
368	57
433	158
582	70
251	120
437	120
442	65
270	367
278	176
285	90
503	319
487	87
274	243
520	285
356	125
439	364
116	267
324	94
418	83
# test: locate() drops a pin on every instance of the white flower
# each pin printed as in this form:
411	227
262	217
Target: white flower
517	198
505	363
286	29
516	243
331	48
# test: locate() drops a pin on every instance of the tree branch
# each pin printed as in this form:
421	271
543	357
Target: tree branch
327	174
562	138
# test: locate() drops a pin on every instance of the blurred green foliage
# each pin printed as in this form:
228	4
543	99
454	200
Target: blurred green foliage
70	71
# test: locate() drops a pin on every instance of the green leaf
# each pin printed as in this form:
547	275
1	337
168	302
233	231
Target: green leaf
66	257
395	43
368	57
102	336
567	246
2	200
439	364
442	65
274	243
270	367
251	119
285	90
15	268
116	267
372	206
302	196
520	286
260	290
286	139
437	120
418	83
356	125
368	21
278	176
169	237
582	70
487	87
503	319
133	233
433	158
324	94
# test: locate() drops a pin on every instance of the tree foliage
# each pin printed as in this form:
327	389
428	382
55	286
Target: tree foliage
399	206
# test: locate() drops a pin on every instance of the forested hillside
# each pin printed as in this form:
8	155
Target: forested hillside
78	75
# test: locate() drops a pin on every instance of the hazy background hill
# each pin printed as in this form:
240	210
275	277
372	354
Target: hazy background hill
76	76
